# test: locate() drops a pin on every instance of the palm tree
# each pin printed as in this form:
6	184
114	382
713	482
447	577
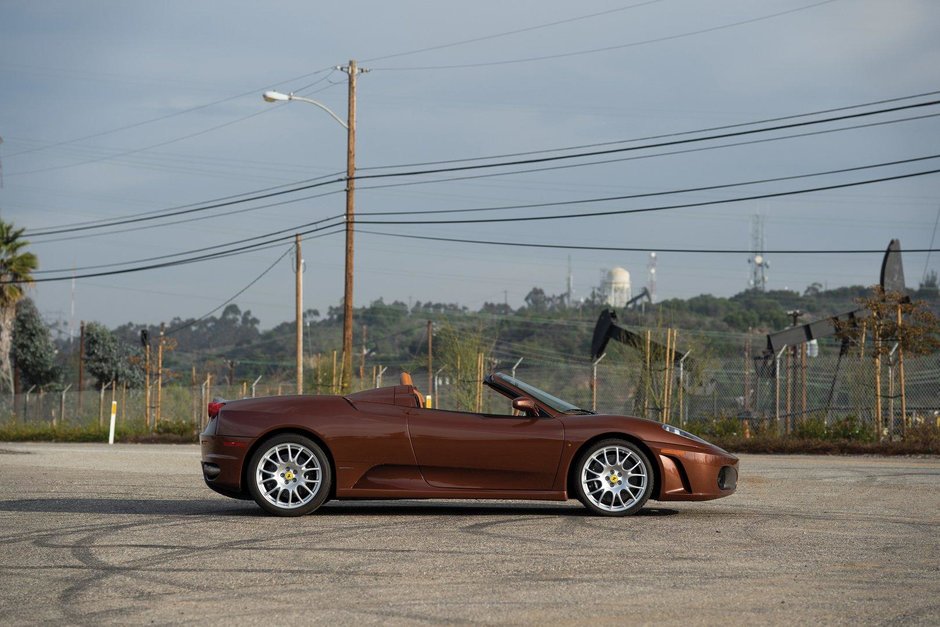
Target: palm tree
16	267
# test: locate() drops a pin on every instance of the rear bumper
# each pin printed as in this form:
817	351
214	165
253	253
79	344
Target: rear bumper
695	476
222	461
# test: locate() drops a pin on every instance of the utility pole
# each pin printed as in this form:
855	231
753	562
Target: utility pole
156	417
362	357
351	70
299	273
430	388
273	96
81	364
145	338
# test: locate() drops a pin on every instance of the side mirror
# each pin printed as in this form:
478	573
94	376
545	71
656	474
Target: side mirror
525	405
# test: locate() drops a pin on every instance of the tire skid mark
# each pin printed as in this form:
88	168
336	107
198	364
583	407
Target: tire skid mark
83	549
484	529
143	569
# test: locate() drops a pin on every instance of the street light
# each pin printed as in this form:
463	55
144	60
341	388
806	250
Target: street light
276	96
350	125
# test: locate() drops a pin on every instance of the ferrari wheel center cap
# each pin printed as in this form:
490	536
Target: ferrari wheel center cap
289	475
614	478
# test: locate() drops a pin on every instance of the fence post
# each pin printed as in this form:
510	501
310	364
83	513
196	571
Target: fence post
593	380
25	405
647	378
437	381
204	403
516	365
777	386
62	405
667	382
254	384
101	403
682	408
891	422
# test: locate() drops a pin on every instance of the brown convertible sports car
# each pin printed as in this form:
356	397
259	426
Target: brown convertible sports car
292	453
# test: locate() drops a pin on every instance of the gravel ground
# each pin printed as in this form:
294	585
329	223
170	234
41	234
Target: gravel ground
129	534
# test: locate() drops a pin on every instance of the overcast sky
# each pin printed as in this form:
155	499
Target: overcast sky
113	109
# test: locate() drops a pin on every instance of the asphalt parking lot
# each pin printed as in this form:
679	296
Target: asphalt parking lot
129	534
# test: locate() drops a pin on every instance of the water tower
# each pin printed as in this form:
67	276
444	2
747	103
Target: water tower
616	287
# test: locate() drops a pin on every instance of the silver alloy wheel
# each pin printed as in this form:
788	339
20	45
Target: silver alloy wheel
288	475
614	478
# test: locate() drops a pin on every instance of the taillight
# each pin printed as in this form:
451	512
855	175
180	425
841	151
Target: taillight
215	407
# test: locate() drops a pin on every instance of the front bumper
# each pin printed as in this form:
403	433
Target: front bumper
696	476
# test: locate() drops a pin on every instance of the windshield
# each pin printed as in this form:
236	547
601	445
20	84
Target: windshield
540	395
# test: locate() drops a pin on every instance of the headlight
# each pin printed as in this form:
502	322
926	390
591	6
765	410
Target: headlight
683	434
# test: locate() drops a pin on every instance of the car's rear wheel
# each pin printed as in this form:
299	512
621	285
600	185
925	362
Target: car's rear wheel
289	475
614	478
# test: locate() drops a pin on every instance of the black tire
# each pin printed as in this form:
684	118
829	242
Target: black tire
613	478
289	475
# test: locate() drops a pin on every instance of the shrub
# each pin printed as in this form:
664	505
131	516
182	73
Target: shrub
718	427
811	429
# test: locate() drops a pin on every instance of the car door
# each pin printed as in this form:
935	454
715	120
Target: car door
485	451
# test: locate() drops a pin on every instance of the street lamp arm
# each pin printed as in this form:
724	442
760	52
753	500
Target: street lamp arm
275	96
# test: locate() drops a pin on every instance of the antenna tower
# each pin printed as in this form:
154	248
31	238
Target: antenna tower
651	277
570	282
757	260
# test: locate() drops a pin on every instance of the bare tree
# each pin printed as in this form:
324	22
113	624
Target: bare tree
895	323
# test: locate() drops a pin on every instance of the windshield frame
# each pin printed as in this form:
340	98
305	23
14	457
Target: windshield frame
554	403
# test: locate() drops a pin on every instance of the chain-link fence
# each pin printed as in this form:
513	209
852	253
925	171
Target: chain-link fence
785	393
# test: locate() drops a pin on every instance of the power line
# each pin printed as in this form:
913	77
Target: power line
229	213
563	55
218	255
533	205
511	32
225	214
144	148
290	230
181	210
670	153
165	117
151	146
661	208
654	137
712	251
652	194
595	153
236	295
300	186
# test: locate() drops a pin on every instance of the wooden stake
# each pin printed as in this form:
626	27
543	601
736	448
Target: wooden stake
789	384
317	365
647	375
901	382
147	385
81	364
479	382
156	418
803	364
333	384
362	358
430	389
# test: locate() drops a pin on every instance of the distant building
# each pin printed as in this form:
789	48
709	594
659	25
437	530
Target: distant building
615	287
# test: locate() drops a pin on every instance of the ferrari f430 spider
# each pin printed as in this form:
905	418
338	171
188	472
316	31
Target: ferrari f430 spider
290	454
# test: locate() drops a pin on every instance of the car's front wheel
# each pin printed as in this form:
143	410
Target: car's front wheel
614	478
289	475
